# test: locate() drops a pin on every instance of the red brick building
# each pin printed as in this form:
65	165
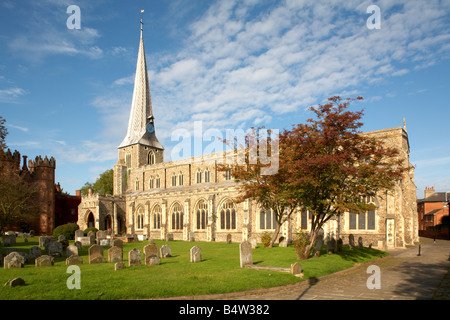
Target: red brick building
431	209
55	207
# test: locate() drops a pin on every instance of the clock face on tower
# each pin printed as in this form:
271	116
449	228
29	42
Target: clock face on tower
150	127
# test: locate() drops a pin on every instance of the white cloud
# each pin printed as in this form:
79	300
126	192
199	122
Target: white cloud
11	94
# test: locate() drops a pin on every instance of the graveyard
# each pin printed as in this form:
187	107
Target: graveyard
141	270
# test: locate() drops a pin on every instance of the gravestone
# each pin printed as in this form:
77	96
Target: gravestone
351	241
191	236
44	261
61	237
15	282
253	242
74	259
152	261
78	245
318	246
331	246
196	254
229	238
13	260
119	266
339	245
283	244
105	242
101	235
118	243
96	254
134	257
169	237
115	254
78	234
84	241
245	254
296	268
360	242
165	251
55	249
150	252
71	250
9	240
34	252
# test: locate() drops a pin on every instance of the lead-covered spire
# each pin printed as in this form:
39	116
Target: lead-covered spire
140	125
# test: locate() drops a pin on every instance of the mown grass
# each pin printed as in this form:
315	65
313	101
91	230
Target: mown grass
219	272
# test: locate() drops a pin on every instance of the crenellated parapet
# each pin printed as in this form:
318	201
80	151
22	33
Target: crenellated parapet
39	162
13	157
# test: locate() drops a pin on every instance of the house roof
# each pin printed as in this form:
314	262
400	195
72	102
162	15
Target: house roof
436	197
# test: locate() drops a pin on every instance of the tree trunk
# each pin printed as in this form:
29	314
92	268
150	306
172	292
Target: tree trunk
275	235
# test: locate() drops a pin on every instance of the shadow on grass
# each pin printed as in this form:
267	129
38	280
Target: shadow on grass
361	254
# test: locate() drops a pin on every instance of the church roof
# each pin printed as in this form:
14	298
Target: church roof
141	106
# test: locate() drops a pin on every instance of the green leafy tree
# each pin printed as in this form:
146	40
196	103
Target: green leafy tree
103	185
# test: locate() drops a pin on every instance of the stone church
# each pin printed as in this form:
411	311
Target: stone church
190	198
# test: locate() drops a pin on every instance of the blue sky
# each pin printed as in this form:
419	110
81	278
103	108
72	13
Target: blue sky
232	64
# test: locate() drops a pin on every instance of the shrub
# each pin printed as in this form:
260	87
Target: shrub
90	229
265	239
67	230
301	241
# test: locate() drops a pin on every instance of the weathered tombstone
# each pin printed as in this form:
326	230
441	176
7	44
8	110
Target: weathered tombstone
101	235
78	245
360	242
13	260
118	243
150	252
47	242
191	236
74	259
331	246
152	261
169	237
15	282
245	254
115	254
78	234
71	250
196	254
96	254
296	268
351	241
91	233
119	266
318	246
253	242
283	244
229	238
55	249
9	240
34	252
84	241
61	237
134	257
165	251
25	237
105	242
44	261
150	240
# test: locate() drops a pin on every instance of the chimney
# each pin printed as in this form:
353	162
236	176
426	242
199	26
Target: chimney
24	167
78	193
429	191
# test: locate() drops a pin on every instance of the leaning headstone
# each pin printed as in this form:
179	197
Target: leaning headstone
15	282
78	245
44	261
360	242
96	254
71	250
196	254
165	251
73	259
13	260
119	266
245	254
115	254
296	268
351	241
229	238
134	257
118	243
55	249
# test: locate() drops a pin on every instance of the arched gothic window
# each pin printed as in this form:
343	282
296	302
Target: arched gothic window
201	215
227	215
177	217
207	175
156	215
158	182
174	180
151	183
151	158
140	218
267	219
199	176
180	179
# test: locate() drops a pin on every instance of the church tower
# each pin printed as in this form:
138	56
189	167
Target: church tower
140	146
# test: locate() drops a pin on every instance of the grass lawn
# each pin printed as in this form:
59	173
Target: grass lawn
219	272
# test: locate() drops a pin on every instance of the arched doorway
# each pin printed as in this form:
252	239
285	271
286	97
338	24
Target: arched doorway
90	220
108	223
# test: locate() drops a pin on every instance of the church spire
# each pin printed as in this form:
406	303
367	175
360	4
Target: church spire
140	124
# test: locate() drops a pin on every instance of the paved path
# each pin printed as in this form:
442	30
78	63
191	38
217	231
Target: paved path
404	276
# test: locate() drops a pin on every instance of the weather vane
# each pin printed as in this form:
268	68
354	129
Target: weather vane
141	22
